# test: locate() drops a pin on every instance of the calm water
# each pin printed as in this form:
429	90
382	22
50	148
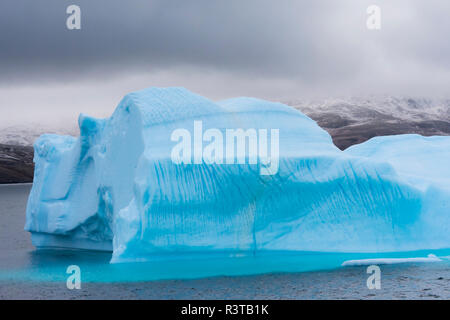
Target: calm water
32	274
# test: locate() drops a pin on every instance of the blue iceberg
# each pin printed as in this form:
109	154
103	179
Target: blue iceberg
126	186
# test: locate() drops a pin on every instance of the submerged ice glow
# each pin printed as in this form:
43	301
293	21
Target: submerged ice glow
117	188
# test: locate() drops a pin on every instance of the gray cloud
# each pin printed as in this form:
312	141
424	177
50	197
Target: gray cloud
263	48
248	36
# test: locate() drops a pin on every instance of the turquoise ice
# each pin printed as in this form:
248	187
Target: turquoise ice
116	187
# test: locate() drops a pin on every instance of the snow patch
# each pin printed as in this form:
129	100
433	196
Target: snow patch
366	262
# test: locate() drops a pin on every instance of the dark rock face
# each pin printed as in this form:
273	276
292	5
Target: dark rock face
16	164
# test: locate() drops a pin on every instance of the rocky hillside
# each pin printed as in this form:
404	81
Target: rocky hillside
16	163
355	120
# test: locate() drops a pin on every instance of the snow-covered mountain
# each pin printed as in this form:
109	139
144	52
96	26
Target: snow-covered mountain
25	135
16	151
357	119
348	120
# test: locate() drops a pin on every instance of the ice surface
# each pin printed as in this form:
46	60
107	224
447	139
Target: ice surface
423	161
116	186
365	262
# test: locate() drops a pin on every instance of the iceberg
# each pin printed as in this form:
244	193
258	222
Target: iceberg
126	186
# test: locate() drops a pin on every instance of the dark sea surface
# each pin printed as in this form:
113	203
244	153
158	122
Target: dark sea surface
27	273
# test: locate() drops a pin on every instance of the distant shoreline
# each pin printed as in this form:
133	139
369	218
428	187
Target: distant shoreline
16	184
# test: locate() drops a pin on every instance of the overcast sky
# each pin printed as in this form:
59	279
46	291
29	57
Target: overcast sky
276	49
